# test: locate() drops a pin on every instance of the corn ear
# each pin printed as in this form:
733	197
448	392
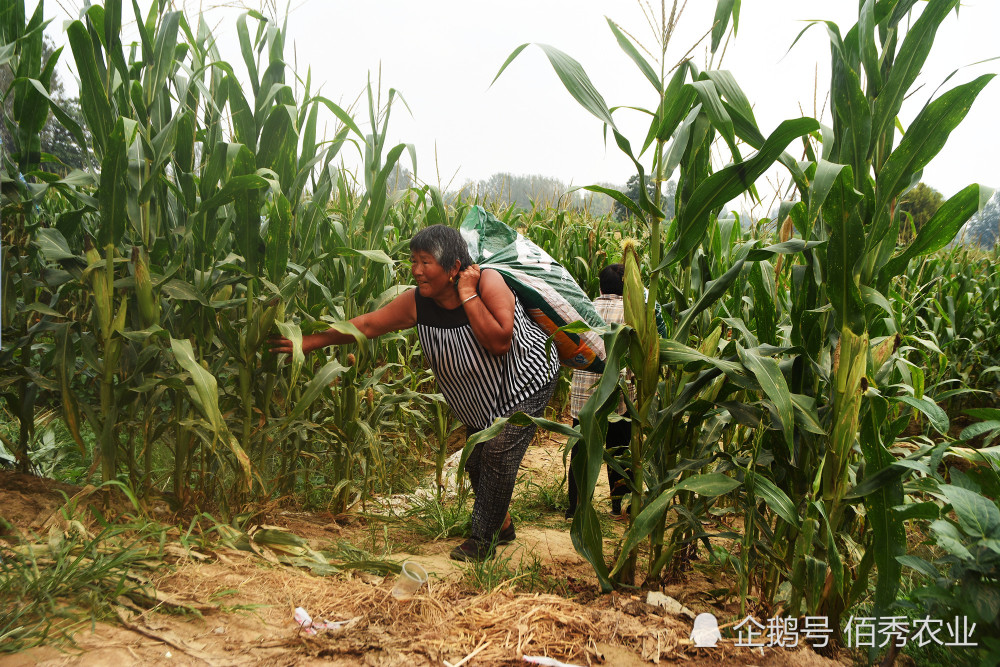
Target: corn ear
99	285
149	307
264	325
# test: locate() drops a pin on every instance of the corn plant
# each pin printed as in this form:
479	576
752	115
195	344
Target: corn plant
835	258
214	217
24	187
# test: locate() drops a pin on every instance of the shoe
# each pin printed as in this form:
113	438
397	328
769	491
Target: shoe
507	535
569	514
472	550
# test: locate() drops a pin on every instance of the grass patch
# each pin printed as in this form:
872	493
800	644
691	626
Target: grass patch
514	568
439	519
47	587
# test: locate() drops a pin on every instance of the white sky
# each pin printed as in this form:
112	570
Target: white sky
442	56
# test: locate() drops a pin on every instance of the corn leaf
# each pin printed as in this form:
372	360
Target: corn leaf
320	382
937	417
114	191
776	499
907	64
93	96
926	136
772	382
724	9
629	48
709	485
204	392
845	250
573	76
726	185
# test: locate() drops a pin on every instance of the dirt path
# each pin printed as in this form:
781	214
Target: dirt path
233	607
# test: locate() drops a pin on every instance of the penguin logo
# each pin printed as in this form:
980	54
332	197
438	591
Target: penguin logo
705	633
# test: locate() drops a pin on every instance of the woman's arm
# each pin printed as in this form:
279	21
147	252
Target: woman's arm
491	314
400	313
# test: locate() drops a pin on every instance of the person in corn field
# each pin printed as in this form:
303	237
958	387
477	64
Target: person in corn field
610	306
488	357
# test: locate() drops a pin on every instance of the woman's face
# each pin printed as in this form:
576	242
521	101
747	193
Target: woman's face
431	278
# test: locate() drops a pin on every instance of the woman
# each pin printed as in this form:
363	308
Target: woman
489	360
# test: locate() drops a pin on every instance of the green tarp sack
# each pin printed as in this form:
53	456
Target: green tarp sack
546	290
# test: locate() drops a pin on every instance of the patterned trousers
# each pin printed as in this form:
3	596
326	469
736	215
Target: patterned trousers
493	466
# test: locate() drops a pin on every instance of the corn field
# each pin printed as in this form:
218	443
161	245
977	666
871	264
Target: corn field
822	391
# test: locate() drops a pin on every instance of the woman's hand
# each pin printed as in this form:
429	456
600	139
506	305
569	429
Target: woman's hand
491	316
468	281
281	345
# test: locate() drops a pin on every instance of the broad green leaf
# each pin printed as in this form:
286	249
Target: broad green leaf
925	137
64	118
949	539
677	103
246	49
942	227
920	565
164	45
937	417
342	115
374	255
868	47
853	117
585	531
673	352
826	176
714	290
761	278
183	291
619	197
872	296
978	429
713	107
977	515
681	139
246	201
53	244
709	485
734	95
649	518
888	535
278	142
244	125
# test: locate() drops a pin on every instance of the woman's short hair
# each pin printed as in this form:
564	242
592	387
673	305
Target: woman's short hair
612	279
444	244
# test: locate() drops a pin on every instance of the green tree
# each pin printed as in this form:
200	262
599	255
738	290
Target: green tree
921	203
632	192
